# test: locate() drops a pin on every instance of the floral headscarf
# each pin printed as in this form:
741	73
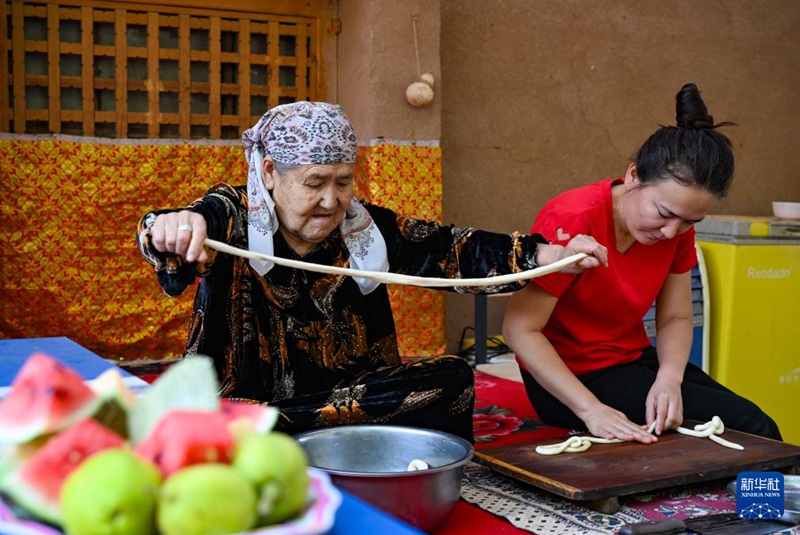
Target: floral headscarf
306	133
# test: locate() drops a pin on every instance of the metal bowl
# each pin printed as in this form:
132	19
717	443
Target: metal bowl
372	462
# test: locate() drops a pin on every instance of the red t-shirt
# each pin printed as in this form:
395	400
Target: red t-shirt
598	320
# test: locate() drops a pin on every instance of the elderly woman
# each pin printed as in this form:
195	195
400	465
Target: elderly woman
322	348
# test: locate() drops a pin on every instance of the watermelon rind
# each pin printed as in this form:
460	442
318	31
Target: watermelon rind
111	385
112	414
116	400
9	460
189	384
35	429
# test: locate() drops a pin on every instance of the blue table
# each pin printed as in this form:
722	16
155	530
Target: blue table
14	353
354	515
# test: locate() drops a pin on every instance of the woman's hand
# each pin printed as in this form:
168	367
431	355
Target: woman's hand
181	233
674	315
664	405
605	422
598	254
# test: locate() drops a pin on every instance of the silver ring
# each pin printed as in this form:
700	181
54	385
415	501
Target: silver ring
185	227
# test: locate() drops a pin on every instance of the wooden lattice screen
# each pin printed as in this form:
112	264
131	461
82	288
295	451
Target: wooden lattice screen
145	70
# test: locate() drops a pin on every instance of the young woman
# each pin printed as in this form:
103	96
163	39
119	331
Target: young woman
585	358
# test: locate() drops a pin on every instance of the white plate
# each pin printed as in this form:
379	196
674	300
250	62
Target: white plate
320	513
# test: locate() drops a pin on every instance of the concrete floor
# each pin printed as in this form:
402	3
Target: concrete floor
503	366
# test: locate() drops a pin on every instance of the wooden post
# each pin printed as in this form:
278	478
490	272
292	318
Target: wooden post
153	82
300	76
18	52
274	63
53	70
121	72
184	76
214	79
315	87
244	76
87	70
5	108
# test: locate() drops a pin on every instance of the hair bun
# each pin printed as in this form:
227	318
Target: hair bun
690	110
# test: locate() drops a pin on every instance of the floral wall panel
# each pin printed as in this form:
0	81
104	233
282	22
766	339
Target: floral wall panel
69	261
408	179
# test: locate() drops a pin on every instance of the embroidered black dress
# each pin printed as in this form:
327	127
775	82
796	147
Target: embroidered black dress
312	344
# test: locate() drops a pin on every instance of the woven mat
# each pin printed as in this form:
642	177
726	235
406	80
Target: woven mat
543	513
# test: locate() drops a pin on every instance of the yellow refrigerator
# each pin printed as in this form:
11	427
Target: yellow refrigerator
753	269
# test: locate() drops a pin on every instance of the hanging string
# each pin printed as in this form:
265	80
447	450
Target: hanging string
416	45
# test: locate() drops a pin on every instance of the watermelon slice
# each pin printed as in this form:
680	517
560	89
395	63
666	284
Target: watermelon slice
190	384
35	486
45	397
249	416
182	438
116	400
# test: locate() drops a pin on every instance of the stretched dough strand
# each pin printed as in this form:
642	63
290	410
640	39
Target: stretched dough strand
396	278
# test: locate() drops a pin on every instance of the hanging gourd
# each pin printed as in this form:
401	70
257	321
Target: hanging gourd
420	93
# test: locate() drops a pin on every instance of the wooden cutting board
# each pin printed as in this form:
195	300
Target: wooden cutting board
605	472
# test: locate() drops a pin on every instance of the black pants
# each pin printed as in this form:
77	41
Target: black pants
435	393
625	388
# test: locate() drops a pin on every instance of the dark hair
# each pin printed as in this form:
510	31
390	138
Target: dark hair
693	153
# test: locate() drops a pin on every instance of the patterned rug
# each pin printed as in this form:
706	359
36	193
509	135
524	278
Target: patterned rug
503	416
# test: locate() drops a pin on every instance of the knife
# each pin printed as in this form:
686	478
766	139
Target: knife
720	523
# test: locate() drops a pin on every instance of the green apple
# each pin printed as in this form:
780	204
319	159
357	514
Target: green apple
113	492
206	499
278	467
